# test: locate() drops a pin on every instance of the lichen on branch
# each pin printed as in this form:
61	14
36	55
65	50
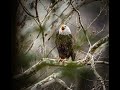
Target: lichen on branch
54	62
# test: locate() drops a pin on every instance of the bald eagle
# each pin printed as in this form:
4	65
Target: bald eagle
64	43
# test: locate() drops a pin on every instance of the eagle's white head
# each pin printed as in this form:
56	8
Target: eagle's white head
64	30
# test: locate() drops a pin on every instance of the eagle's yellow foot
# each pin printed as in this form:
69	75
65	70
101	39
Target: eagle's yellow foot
62	60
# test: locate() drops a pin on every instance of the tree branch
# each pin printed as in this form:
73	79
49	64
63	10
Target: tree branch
54	62
28	13
97	74
97	16
51	7
77	11
62	83
37	16
47	81
95	48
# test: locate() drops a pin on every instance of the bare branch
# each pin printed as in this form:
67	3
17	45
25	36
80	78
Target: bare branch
62	83
97	16
29	48
37	16
95	47
26	10
97	74
47	81
43	5
77	11
51	7
53	23
85	2
51	51
101	30
99	43
69	14
54	62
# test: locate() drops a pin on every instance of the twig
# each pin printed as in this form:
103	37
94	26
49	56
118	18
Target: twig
98	43
101	30
36	1
37	16
62	83
81	23
43	5
39	24
93	48
96	17
49	12
47	81
26	10
68	15
51	51
57	19
29	48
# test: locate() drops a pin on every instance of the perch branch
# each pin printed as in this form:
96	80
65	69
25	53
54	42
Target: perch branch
55	62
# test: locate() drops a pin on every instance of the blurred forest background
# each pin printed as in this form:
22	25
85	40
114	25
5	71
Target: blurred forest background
36	24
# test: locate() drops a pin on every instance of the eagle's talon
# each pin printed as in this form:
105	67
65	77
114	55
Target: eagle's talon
62	60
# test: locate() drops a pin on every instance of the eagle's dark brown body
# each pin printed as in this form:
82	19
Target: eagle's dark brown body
64	46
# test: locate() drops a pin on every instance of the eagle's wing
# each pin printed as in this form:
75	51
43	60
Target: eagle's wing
72	53
57	37
64	45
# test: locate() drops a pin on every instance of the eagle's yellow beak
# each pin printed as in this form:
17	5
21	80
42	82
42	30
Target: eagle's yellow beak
63	28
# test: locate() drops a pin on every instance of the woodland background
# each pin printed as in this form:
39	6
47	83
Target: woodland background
35	65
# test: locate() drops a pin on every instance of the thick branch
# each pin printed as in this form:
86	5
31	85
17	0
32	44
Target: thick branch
54	62
47	81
